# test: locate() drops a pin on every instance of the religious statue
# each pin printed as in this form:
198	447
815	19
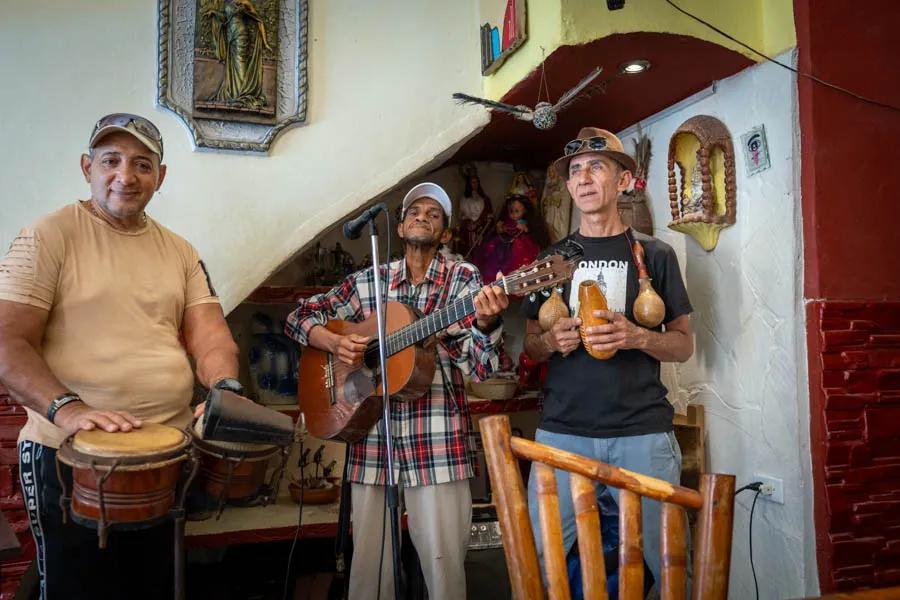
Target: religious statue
556	206
239	36
692	195
476	213
521	185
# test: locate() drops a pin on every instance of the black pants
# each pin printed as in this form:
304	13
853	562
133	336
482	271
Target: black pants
136	564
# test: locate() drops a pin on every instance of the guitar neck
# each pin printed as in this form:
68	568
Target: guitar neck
432	323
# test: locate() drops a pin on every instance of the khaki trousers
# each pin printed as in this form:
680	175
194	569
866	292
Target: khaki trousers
439	519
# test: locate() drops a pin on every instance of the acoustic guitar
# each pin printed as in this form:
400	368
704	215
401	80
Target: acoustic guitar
343	402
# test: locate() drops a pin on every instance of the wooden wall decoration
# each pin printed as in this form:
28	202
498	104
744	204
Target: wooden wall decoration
633	205
702	193
234	70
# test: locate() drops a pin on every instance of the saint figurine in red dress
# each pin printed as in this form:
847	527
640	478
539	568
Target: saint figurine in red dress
516	240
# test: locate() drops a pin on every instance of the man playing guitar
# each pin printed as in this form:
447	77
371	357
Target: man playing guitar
432	450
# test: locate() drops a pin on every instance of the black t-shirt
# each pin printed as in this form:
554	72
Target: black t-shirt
623	395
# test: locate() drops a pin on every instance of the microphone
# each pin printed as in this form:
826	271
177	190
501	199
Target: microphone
353	227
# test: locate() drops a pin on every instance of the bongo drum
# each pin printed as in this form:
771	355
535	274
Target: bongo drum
235	472
126	480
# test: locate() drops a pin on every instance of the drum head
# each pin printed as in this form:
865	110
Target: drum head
149	438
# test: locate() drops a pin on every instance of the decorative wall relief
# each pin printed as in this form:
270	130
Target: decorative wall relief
702	196
234	70
235	59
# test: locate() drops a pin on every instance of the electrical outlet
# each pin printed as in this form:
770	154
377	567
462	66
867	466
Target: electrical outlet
772	489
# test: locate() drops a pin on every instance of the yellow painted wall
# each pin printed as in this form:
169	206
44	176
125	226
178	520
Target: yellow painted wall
767	25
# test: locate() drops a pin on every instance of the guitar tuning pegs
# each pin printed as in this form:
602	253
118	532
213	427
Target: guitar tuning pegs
545	293
532	297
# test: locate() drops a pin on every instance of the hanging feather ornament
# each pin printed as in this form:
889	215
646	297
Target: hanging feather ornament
543	115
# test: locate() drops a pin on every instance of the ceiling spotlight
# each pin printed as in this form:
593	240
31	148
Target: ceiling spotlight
615	4
633	67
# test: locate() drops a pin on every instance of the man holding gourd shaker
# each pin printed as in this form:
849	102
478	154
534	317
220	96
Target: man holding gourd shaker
603	397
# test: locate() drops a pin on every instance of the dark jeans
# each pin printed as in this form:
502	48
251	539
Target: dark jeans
136	564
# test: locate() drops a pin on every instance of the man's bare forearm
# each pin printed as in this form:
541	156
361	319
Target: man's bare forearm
321	339
668	346
218	363
26	375
536	347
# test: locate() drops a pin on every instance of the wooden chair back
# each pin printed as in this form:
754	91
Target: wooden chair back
712	542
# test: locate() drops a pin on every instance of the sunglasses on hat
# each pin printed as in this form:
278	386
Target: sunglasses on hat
123	120
594	143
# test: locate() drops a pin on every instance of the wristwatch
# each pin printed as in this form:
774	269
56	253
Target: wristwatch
230	384
60	401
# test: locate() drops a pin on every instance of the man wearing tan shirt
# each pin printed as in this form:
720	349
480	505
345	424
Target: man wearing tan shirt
95	300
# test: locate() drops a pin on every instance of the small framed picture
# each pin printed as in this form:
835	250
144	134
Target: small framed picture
756	150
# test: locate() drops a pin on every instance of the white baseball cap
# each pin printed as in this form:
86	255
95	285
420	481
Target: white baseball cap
429	190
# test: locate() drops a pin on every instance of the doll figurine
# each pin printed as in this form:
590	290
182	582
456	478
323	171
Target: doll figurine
517	239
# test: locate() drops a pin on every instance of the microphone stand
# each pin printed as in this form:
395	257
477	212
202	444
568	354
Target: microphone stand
391	492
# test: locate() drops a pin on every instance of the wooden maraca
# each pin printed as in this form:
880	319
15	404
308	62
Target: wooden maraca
591	298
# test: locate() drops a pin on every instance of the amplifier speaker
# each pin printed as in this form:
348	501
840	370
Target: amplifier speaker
486	575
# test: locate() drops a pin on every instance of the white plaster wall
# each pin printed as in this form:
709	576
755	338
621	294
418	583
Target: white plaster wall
381	75
749	369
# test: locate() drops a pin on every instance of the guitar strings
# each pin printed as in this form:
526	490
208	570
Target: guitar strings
411	332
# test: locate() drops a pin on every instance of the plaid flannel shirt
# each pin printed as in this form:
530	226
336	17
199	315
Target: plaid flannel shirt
432	442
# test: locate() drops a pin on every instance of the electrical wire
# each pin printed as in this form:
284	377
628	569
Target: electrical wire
781	64
287	573
757	487
750	535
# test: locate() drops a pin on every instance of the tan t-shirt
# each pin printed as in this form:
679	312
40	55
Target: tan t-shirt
116	302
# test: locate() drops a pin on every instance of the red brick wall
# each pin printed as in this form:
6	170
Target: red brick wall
849	185
12	417
855	377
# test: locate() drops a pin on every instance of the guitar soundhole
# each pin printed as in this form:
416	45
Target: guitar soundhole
370	358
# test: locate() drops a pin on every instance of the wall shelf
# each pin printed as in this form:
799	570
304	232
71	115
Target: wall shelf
284	294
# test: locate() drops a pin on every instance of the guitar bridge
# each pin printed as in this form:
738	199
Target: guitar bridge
328	377
328	367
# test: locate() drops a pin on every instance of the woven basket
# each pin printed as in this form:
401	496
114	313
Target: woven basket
494	389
